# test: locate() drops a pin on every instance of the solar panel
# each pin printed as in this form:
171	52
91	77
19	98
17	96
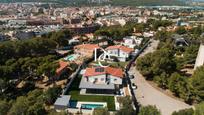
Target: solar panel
99	69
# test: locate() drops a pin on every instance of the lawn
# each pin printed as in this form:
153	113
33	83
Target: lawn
74	92
113	64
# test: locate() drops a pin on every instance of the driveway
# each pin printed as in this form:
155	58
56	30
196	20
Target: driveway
148	95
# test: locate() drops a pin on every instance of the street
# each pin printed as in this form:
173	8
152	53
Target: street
148	95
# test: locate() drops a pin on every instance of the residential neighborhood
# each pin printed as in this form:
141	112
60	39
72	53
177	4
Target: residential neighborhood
101	57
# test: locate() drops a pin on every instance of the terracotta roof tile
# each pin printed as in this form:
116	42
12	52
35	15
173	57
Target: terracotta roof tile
107	70
62	65
88	46
123	48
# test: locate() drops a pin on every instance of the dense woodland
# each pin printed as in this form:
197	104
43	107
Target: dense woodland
27	60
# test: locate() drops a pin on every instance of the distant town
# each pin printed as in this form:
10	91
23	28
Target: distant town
101	59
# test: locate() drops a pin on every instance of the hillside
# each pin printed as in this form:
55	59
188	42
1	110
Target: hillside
112	2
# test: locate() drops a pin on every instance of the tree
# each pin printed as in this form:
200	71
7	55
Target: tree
3	85
48	69
51	95
101	111
144	65
19	107
61	37
126	106
197	82
163	35
199	109
162	80
4	107
190	53
149	110
36	109
184	112
181	87
156	63
181	30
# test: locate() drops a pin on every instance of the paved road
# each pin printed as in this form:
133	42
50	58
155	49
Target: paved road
148	95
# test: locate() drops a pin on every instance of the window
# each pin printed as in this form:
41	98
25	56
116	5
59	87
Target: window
115	79
96	79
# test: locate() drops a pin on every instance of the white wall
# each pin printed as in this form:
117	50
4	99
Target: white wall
100	78
115	80
118	53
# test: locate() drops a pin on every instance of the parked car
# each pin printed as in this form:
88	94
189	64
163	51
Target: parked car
134	86
131	76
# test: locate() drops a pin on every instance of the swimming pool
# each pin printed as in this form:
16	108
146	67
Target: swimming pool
91	106
71	57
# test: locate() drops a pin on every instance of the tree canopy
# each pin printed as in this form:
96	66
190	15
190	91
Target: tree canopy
197	82
149	110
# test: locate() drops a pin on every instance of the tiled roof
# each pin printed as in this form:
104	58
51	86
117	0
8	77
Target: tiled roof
117	72
62	65
123	48
88	46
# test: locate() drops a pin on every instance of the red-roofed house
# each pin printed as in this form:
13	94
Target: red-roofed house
101	80
62	68
85	50
119	51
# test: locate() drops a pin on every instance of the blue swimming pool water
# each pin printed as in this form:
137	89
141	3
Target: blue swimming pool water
91	106
70	57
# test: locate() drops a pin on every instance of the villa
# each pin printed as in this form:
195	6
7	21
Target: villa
132	41
86	50
122	53
101	80
62	68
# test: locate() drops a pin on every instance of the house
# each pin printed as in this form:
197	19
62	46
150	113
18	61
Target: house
86	50
148	34
15	23
101	80
180	40
132	41
122	53
62	103
200	57
73	41
62	68
142	20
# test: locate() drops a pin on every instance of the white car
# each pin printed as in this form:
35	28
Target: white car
134	86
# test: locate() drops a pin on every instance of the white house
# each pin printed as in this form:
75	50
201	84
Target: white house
132	41
122	53
149	34
142	20
101	80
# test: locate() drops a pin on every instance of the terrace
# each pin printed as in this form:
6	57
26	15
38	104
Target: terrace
95	100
